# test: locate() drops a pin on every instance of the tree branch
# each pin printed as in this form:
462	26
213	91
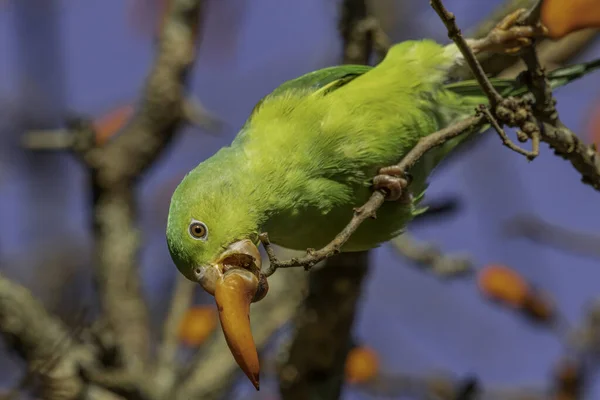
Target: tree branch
114	169
314	367
454	33
510	111
116	166
429	256
48	347
167	352
193	112
555	236
561	139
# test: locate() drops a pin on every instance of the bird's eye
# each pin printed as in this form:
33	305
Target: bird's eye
198	230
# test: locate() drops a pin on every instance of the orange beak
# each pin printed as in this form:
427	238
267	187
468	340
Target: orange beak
237	283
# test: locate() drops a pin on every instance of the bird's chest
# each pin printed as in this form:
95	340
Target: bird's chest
306	227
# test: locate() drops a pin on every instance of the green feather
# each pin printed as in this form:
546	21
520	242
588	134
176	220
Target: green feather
315	80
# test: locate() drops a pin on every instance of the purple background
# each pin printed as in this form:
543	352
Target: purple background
417	322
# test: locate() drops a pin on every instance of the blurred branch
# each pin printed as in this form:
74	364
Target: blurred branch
429	256
555	236
586	338
213	368
180	303
438	209
361	33
116	166
442	386
315	364
50	139
114	169
48	347
64	139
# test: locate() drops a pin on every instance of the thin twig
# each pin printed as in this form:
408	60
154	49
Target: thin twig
534	152
369	209
42	340
380	40
543	232
454	33
429	256
509	111
180	303
193	112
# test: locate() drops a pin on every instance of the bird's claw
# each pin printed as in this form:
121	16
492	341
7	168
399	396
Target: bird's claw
393	181
508	37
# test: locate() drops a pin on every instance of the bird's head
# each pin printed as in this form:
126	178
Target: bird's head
213	242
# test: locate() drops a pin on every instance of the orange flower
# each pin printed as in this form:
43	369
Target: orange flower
540	306
197	325
568	377
562	17
503	284
109	124
362	364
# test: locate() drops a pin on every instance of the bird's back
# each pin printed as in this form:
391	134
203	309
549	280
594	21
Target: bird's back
319	150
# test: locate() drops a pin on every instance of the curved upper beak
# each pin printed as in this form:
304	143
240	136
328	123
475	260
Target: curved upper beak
235	281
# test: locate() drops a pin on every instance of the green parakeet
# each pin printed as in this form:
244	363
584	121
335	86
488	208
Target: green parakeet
305	158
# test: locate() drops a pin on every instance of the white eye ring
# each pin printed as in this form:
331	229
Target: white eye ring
198	230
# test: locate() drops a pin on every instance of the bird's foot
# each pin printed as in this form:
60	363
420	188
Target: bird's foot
508	37
393	181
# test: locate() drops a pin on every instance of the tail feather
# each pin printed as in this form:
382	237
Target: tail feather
514	87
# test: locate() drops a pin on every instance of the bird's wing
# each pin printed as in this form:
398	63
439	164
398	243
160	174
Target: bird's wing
325	80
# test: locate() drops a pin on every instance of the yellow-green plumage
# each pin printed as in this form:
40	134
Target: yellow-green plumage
308	153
